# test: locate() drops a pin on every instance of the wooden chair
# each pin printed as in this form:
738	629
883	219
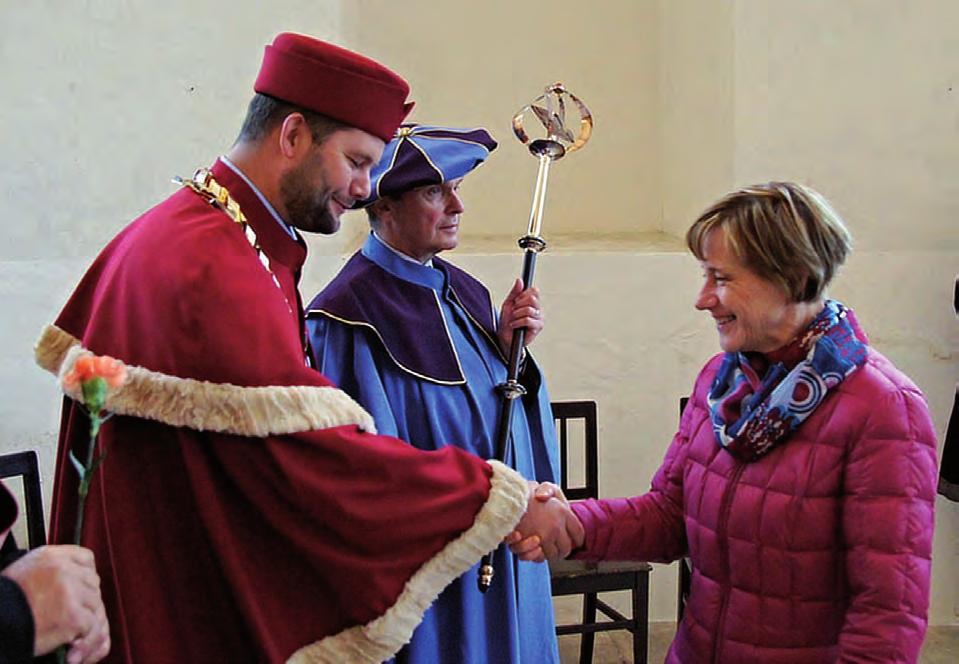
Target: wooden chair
574	577
685	579
24	465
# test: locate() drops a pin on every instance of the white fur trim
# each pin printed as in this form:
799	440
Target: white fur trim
206	406
381	638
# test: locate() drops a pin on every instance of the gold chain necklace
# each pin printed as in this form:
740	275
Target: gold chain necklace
217	195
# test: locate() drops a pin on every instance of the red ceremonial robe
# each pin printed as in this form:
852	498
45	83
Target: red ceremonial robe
244	512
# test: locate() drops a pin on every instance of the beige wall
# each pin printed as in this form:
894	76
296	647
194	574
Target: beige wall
696	108
105	101
860	99
479	63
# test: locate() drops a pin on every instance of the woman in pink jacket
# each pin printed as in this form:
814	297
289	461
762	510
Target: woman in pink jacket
801	481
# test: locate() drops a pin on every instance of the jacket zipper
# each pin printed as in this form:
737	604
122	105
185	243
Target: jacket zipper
723	543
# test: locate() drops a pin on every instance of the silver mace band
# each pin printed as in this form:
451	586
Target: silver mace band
550	110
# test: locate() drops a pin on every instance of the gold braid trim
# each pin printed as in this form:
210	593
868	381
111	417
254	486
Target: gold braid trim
205	406
382	637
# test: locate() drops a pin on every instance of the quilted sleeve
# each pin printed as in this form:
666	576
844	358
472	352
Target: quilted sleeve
648	527
887	527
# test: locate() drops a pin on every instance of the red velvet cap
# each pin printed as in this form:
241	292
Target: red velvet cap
333	81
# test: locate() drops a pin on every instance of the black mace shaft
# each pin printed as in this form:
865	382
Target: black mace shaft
550	109
532	244
511	389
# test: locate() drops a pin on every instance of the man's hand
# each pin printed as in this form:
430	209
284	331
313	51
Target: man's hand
63	590
549	530
520	309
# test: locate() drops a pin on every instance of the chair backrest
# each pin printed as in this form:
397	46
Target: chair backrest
24	464
565	412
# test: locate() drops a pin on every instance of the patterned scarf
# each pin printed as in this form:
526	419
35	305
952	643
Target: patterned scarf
756	402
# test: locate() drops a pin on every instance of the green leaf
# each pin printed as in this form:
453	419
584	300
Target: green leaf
76	463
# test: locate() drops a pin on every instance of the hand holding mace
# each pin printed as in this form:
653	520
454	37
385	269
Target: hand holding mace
550	109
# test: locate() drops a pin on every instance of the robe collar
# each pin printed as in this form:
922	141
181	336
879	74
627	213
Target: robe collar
259	194
399	302
273	239
428	276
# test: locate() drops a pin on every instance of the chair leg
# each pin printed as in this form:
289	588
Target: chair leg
641	618
589	617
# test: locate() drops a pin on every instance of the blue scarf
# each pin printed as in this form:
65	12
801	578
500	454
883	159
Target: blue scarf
752	413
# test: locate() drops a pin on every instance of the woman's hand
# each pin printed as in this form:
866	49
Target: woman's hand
549	530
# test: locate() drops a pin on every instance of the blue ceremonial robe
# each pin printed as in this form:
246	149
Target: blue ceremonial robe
415	345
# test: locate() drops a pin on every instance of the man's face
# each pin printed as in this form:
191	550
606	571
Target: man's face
331	177
424	221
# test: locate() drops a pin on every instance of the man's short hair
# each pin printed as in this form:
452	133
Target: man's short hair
372	218
785	232
266	112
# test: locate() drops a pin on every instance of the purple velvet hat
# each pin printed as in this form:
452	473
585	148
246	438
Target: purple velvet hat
420	154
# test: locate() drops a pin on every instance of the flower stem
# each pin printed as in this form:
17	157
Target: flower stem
86	475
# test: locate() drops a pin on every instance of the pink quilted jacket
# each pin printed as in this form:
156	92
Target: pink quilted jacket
818	552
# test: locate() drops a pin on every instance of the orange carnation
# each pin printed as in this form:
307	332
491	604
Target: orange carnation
93	376
110	369
88	367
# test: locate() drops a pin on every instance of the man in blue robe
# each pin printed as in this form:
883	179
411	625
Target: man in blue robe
417	342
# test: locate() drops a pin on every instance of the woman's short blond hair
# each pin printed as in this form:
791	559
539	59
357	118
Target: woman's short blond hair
785	232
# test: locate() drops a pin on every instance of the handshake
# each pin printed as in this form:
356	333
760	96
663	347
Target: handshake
549	530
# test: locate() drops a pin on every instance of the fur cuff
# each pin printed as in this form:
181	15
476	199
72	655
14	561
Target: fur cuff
381	638
206	406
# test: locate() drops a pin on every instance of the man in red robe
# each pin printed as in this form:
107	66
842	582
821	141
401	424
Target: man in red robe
246	510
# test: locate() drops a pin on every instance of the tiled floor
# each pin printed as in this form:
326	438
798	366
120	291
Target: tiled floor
941	646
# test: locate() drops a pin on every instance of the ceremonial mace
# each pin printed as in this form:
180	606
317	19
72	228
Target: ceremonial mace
550	110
